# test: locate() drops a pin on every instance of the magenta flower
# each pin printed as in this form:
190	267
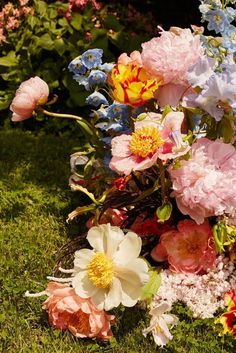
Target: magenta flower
205	185
190	249
29	95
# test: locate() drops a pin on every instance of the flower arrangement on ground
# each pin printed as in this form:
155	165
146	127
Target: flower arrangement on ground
158	171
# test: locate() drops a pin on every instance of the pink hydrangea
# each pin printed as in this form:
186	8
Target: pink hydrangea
169	57
190	249
205	185
67	311
29	95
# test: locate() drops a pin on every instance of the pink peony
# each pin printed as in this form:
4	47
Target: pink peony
153	138
190	249
134	58
168	58
29	95
205	185
67	311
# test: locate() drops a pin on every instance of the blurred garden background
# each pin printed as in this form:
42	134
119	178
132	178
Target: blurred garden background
40	38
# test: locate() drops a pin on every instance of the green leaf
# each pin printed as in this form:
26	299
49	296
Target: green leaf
111	22
152	286
76	21
60	46
45	42
164	211
41	7
9	60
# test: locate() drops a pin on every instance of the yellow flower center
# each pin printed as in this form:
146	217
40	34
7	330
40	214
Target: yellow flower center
145	141
101	270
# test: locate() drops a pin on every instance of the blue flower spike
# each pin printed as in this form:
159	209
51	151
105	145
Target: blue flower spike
96	99
92	58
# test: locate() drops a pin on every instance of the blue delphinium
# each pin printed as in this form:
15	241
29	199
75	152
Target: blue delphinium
96	99
92	58
96	77
229	39
218	21
116	118
77	67
82	80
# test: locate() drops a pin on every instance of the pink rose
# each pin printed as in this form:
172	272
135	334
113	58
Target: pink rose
67	311
190	249
29	95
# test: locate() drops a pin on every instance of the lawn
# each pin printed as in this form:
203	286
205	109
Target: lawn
34	202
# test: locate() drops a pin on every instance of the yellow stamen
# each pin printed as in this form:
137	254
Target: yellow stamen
101	270
145	141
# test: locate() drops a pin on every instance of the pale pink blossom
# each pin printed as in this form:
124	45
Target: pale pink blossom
189	249
152	138
12	23
29	95
23	2
169	57
67	311
2	37
205	185
134	58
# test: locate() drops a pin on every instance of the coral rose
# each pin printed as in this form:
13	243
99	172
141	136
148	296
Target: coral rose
67	311
205	185
190	249
29	95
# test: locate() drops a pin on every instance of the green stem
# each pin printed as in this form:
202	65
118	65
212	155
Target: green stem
83	123
162	179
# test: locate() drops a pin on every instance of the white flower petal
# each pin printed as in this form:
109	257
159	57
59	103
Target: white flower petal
130	293
82	258
160	309
99	299
170	319
129	249
114	296
138	267
105	238
83	286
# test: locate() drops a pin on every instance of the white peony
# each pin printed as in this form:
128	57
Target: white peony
111	273
160	323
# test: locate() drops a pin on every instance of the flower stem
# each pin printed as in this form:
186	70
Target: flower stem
89	128
162	179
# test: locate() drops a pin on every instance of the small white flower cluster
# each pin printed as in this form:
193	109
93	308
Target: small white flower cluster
203	294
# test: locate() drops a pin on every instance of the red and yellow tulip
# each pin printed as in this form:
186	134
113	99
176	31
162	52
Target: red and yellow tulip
131	84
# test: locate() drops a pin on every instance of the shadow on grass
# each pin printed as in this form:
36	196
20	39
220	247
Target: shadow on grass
34	172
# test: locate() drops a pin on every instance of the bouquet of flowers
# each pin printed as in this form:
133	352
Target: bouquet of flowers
158	171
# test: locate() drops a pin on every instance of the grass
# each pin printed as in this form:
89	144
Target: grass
34	203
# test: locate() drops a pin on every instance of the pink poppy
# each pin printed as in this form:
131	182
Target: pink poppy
189	249
152	138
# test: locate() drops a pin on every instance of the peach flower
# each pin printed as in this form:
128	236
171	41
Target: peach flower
67	311
189	249
134	58
29	95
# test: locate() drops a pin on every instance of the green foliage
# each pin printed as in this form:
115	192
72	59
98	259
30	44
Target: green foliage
46	41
